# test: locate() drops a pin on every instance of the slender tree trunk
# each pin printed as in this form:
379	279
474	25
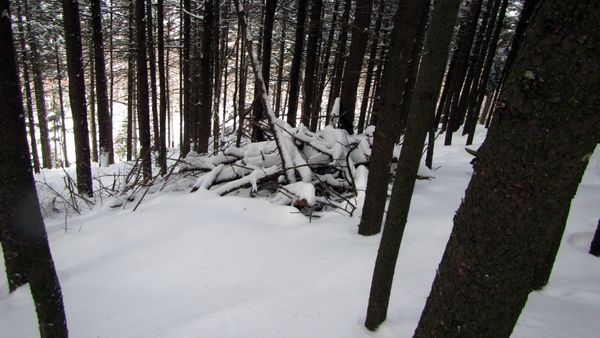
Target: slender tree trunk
111	157
312	57
187	84
409	17
20	214
75	70
130	84
353	67
142	91
162	82
92	103
340	60
38	86
104	115
209	38
61	102
503	230
28	96
152	69
280	64
369	77
296	63
420	116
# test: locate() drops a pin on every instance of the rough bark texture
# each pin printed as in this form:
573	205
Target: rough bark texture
358	46
104	118
19	206
296	64
406	22
420	116
142	91
532	161
72	28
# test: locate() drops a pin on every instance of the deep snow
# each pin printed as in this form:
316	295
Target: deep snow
197	265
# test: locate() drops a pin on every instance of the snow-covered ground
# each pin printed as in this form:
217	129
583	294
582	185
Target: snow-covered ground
197	265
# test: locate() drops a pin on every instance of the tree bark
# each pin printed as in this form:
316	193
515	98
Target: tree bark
340	60
358	46
152	70
532	161
63	128
420	115
19	205
187	83
142	91
296	63
162	83
104	117
312	57
72	29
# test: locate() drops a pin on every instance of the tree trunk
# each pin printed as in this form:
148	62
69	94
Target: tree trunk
130	83
280	64
28	96
142	91
75	69
38	87
92	105
296	63
104	117
407	20
19	206
339	62
595	245
420	115
63	128
162	83
186	121
534	156
312	57
152	69
358	46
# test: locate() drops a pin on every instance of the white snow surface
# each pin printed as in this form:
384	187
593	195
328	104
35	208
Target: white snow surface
198	265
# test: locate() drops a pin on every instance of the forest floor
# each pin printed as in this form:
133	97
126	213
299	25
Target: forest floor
197	265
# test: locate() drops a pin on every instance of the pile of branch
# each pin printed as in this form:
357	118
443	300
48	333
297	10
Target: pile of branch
320	172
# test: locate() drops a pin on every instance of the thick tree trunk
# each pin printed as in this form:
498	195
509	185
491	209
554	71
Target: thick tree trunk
19	206
142	91
534	156
420	115
75	70
296	63
353	67
104	117
409	17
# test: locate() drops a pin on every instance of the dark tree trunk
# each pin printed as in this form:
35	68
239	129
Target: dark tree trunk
75	70
595	245
19	206
312	57
296	63
162	83
358	46
409	17
324	69
63	128
111	158
38	87
130	83
420	115
465	41
532	161
339	62
243	77
104	117
267	43
152	69
280	64
369	77
209	39
92	105
28	96
142	91
187	83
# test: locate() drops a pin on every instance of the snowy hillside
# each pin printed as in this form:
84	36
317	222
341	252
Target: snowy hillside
199	265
